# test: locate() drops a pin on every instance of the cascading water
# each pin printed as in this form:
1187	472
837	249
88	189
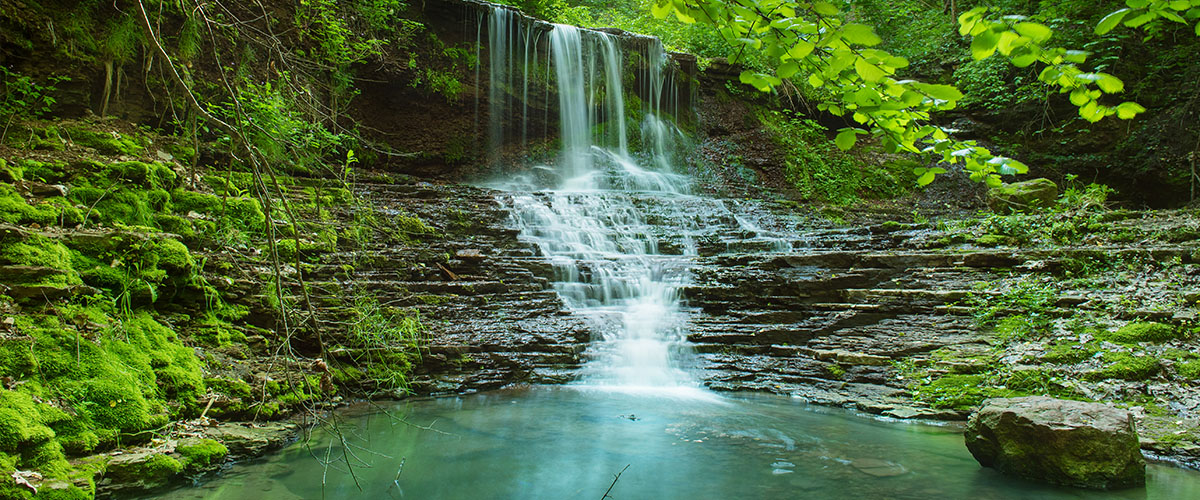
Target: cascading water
589	219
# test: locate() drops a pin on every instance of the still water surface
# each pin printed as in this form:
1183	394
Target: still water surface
569	442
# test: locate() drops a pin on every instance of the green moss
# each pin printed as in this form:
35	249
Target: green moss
15	210
1189	370
958	392
1067	353
1021	327
116	404
104	142
160	467
232	388
44	172
201	453
70	492
39	251
990	240
1126	366
1134	333
10	172
836	371
347	376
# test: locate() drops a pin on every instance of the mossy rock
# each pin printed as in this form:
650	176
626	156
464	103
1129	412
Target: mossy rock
1072	443
141	470
1067	353
1134	333
1126	366
1023	196
200	454
1189	370
991	240
109	143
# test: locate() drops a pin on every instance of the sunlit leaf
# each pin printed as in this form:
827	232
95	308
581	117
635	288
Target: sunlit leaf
661	8
868	71
801	49
846	138
984	44
860	34
1110	84
1038	32
824	8
1111	21
943	92
1128	110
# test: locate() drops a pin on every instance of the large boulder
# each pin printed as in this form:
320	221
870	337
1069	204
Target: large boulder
1073	443
1023	196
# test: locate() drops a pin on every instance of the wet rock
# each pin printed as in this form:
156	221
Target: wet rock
138	470
251	440
1072	443
42	190
1023	196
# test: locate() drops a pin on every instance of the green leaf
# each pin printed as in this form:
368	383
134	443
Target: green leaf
1141	19
1128	110
927	175
787	69
1172	16
801	49
984	44
1079	97
759	81
1180	4
1110	21
661	8
815	80
1022	57
1197	29
968	20
846	138
1006	42
1076	56
1091	111
860	34
1110	84
824	8
910	98
868	71
1038	32
943	92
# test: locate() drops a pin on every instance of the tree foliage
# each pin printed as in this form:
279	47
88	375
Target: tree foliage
818	43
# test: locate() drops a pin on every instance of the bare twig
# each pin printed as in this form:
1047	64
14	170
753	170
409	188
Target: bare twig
614	483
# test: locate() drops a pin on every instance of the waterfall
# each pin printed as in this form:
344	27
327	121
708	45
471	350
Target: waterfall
566	50
590	220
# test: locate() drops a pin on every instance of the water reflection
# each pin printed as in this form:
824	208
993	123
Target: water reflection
568	442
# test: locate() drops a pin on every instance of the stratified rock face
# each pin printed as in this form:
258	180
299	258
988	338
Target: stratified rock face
1072	443
1026	195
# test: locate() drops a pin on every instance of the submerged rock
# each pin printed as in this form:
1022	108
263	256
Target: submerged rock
1072	443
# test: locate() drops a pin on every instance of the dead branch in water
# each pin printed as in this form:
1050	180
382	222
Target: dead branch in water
614	483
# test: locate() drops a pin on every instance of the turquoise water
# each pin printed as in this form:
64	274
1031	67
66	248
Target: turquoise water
569	442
